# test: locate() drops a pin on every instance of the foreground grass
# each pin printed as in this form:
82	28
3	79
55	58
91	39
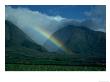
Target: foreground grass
21	67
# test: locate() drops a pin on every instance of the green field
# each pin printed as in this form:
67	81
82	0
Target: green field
21	67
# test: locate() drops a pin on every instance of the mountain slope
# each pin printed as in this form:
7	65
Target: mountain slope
20	49
16	37
91	45
18	46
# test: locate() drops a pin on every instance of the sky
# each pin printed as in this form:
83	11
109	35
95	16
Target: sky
95	14
70	11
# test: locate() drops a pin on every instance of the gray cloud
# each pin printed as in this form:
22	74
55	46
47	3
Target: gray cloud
96	18
32	22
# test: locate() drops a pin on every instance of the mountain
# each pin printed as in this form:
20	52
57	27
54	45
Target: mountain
18	46
20	49
87	47
90	44
17	38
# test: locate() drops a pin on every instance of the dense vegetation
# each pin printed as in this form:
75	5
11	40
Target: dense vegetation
20	59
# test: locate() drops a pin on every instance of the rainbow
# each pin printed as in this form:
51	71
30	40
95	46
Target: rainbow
52	39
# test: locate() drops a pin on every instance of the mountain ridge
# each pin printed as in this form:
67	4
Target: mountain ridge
24	51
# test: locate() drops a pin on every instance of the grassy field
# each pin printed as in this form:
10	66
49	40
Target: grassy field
21	67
